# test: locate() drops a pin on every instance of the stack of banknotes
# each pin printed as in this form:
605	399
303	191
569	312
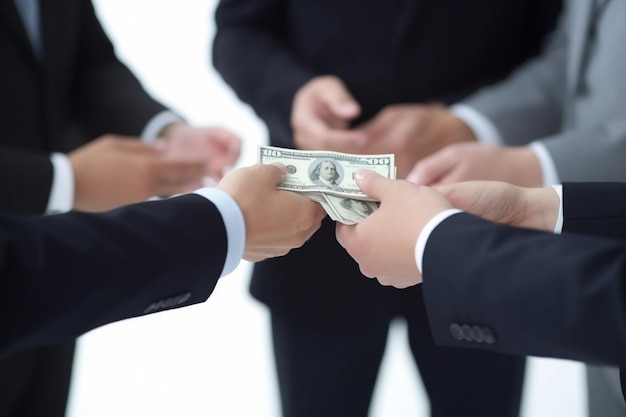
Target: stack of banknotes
328	178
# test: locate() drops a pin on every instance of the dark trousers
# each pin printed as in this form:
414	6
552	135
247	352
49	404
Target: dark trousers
331	371
35	382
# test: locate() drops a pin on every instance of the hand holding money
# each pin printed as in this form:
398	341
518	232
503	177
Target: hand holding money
329	178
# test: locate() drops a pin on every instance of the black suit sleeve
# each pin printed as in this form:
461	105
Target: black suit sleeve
518	291
63	275
107	97
251	54
595	209
25	180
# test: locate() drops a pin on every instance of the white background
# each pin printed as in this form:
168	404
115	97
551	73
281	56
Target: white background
215	359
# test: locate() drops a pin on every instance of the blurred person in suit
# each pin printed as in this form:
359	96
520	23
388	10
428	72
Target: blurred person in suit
62	86
559	117
362	77
141	258
493	287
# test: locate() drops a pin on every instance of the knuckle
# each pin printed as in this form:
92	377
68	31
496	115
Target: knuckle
367	271
329	79
297	125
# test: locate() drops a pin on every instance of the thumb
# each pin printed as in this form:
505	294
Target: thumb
433	169
371	183
414	175
340	102
278	172
346	110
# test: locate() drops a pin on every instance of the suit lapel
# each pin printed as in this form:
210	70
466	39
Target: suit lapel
50	30
601	3
54	61
11	22
584	22
582	12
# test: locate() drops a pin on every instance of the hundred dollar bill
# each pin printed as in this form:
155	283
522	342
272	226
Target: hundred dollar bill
325	171
348	210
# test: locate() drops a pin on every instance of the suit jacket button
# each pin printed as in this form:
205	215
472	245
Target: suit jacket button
182	298
168	303
468	334
479	335
490	338
456	331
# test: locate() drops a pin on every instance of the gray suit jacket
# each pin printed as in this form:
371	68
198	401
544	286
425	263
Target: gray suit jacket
572	97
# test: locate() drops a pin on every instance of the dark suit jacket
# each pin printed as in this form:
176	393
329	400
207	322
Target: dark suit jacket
526	292
63	275
387	51
78	86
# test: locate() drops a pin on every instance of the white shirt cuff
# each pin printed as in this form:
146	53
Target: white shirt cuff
558	228
422	239
484	130
156	125
233	222
61	198
548	170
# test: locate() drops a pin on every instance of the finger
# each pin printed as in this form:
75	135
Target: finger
312	129
311	125
160	145
339	101
127	144
346	110
414	175
380	124
366	271
320	214
234	147
342	233
371	129
462	195
217	166
222	132
178	174
371	183
312	213
308	124
346	139
433	169
278	172
227	140
123	139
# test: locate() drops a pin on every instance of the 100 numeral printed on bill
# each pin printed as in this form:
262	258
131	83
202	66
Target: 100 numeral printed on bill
329	178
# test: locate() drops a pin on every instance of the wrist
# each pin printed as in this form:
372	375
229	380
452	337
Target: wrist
524	167
171	130
543	206
456	129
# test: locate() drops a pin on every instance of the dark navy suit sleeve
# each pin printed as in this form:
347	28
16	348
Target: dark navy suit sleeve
597	209
63	275
252	54
518	291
